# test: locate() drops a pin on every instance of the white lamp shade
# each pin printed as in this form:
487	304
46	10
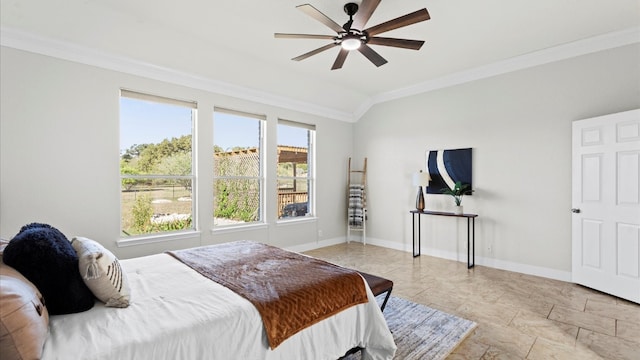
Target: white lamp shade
421	179
351	43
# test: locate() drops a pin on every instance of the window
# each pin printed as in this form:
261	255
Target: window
156	164
296	177
237	171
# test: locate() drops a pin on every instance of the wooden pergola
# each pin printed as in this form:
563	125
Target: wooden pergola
292	154
286	154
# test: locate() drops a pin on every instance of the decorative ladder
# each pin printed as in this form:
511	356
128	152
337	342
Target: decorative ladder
357	201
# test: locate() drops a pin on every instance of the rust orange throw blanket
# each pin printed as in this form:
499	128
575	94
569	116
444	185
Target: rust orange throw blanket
291	291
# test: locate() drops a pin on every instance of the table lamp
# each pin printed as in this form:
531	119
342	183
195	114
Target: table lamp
420	179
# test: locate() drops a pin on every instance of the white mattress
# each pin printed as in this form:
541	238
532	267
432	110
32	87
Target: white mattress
177	313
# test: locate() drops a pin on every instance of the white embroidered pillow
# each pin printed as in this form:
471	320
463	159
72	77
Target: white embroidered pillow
101	272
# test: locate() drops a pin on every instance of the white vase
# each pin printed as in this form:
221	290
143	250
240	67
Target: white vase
458	210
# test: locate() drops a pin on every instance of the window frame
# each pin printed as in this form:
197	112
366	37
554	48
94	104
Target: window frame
261	178
311	171
154	236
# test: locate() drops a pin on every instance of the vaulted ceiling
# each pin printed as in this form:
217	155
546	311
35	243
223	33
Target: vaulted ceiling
231	43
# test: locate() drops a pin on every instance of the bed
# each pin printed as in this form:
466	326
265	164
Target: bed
177	313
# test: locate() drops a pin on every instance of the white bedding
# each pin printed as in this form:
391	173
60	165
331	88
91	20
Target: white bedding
176	313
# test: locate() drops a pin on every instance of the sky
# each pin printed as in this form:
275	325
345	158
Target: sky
143	122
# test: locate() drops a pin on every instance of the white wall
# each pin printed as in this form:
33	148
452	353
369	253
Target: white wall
59	155
59	134
519	126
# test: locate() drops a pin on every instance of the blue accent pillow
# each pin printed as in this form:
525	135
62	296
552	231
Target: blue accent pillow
43	255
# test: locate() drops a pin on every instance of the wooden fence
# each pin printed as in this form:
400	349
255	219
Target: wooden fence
286	198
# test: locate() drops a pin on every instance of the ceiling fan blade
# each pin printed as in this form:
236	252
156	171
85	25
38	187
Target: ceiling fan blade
316	14
342	56
373	56
412	18
367	7
401	43
302	36
313	52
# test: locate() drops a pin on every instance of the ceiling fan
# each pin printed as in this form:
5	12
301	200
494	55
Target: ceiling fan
351	37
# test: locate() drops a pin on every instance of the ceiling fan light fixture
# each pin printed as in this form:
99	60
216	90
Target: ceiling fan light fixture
351	43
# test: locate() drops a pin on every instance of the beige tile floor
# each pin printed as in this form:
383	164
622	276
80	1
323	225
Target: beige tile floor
519	316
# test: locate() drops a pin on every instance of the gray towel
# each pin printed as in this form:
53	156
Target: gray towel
356	205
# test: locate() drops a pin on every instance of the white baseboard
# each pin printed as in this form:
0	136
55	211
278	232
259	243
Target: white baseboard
316	244
525	269
449	255
483	261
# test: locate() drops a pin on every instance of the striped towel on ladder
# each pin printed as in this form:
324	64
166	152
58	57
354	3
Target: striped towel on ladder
356	206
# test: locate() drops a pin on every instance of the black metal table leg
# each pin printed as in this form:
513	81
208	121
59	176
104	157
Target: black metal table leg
468	247
469	244
473	223
471	232
416	253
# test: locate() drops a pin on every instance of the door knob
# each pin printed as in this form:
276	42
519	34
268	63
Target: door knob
575	211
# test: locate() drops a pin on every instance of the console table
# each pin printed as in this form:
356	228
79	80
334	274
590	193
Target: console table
471	232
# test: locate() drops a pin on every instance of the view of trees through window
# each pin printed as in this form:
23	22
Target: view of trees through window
155	164
237	177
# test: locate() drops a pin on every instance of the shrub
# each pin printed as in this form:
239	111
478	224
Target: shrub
142	213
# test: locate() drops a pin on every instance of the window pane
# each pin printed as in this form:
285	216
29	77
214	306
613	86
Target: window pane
237	168
237	201
155	205
295	177
155	164
293	198
237	163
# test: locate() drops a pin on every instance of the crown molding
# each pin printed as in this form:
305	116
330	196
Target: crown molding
68	51
64	50
536	58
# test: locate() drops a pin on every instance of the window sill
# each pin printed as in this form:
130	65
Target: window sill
295	221
142	240
237	228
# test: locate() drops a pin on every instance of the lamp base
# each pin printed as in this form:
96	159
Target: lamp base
420	200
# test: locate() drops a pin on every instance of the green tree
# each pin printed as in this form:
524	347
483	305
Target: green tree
176	164
133	151
145	158
126	169
148	158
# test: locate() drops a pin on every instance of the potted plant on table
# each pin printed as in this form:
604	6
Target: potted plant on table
458	191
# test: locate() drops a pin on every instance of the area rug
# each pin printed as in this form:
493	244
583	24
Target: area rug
421	332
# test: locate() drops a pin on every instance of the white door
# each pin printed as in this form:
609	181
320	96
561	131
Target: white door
606	204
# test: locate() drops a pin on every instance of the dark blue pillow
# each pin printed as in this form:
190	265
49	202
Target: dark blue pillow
42	254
